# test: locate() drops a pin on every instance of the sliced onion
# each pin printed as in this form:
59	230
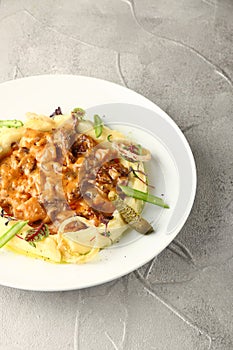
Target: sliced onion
91	236
126	150
84	126
87	237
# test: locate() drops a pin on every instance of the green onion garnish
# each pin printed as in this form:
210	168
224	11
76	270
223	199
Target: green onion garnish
98	126
14	230
146	197
79	113
11	123
109	137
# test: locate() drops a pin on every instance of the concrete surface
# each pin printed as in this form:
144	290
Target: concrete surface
179	54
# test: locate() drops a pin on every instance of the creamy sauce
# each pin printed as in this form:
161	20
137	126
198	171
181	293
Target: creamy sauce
40	174
42	166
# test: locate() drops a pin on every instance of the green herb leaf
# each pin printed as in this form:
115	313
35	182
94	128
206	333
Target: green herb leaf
146	197
11	123
14	230
37	234
98	125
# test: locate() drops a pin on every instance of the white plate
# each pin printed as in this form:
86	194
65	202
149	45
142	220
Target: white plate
172	172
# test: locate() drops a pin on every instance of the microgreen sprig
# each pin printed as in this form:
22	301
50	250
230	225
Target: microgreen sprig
37	234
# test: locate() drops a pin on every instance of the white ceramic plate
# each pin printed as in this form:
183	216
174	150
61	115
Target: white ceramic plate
172	172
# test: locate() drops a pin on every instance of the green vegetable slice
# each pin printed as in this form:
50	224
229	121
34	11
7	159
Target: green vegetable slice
98	125
11	123
16	228
79	113
109	138
146	197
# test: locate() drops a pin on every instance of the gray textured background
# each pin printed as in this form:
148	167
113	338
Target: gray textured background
179	54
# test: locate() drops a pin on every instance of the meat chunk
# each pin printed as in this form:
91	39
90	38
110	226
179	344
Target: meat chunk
30	210
45	176
82	145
